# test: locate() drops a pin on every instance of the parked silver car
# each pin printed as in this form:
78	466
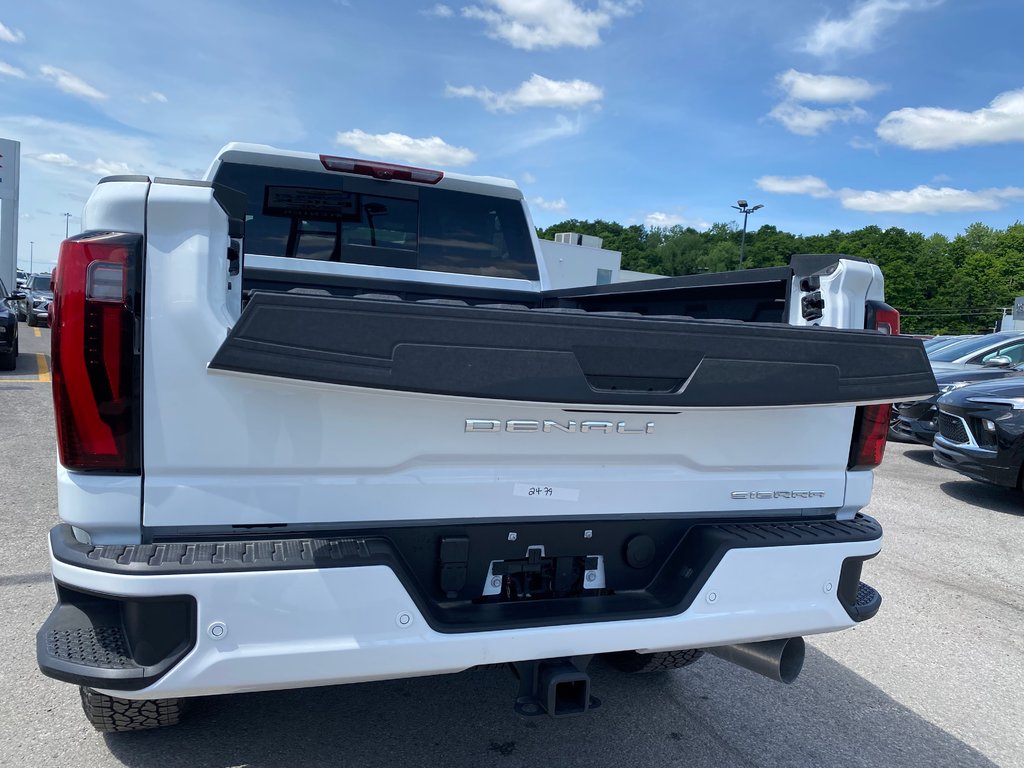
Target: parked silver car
1003	349
38	295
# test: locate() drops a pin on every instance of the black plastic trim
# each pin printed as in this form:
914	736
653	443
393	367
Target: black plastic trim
859	600
571	357
283	280
182	182
114	642
124	177
658	284
687	554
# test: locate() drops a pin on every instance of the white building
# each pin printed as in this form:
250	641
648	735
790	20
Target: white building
575	260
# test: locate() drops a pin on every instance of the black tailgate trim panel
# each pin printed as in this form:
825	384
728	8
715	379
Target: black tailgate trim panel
566	356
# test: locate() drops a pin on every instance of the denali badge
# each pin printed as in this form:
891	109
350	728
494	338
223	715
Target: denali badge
608	427
778	494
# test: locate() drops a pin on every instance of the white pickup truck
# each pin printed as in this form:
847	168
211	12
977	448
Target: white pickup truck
323	421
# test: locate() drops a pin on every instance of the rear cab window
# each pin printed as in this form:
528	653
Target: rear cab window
333	217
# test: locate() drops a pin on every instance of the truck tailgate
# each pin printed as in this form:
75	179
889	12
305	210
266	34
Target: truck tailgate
566	355
332	411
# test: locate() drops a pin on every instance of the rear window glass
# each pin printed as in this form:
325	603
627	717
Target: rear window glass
333	217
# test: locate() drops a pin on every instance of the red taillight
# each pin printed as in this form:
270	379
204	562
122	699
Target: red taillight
881	317
96	370
870	431
385	171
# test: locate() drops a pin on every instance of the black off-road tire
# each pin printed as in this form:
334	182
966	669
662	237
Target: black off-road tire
110	715
633	662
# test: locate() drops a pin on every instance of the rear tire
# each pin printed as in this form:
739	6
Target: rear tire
110	715
633	662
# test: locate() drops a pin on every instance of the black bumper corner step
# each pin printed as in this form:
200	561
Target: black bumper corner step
122	644
860	600
867	603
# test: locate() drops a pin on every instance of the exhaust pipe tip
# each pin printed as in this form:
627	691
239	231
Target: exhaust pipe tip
779	660
791	660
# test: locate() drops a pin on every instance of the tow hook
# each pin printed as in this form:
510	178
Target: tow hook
556	687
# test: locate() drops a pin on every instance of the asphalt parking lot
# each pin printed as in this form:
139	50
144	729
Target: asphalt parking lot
936	679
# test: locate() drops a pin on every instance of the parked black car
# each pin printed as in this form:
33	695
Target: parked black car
39	294
9	327
915	421
981	431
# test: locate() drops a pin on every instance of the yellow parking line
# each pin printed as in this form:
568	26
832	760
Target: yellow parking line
44	369
37	332
42	373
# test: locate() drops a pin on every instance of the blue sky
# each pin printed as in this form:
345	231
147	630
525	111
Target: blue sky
834	114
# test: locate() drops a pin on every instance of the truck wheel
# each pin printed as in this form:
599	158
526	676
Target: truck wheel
110	715
633	662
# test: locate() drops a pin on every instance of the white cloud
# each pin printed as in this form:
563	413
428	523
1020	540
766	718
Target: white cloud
858	142
826	89
795	185
1000	122
71	84
930	200
530	24
538	91
440	10
558	206
8	35
921	199
804	121
662	220
528	178
561	128
103	167
398	146
98	167
153	96
858	31
6	70
56	158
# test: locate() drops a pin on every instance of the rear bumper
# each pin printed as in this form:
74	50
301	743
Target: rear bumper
264	628
914	430
916	421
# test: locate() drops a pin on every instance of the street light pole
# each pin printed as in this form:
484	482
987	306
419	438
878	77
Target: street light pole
67	222
31	247
741	206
